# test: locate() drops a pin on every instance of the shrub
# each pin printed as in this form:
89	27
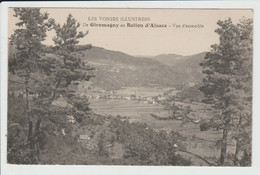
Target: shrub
204	126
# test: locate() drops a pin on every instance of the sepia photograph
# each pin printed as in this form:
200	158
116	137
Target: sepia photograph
129	87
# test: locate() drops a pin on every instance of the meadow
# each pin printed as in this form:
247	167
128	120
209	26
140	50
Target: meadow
142	91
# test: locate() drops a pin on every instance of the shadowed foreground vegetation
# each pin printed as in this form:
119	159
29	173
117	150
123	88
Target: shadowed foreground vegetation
140	145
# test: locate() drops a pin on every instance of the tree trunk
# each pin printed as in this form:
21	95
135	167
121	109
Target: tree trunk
223	146
209	163
55	90
37	131
236	163
30	136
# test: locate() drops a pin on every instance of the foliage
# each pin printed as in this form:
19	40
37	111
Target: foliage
72	68
45	76
144	146
32	28
192	93
228	82
17	150
204	126
27	39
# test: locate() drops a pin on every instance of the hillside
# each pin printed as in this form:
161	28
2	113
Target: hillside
187	66
168	59
190	67
116	69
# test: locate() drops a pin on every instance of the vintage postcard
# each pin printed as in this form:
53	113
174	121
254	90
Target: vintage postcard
129	86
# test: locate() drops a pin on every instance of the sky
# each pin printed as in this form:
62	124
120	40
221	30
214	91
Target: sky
145	41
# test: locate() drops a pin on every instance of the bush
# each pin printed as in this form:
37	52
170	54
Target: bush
144	146
204	126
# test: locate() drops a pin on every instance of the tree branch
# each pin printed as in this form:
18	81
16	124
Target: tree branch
209	163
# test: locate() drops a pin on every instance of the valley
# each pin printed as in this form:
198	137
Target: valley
197	141
143	90
138	88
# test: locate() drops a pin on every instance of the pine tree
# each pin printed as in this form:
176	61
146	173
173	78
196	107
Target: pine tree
27	39
243	124
228	73
47	76
73	69
60	75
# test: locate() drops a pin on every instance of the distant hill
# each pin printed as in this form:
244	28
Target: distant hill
115	69
188	66
168	59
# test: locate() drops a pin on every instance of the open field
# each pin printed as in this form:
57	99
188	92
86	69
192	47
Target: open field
129	108
142	91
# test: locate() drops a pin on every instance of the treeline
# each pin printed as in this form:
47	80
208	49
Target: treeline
191	93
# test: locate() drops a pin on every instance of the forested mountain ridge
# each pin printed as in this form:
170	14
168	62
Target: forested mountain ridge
188	66
115	69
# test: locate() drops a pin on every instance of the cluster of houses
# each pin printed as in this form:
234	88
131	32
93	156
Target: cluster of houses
114	95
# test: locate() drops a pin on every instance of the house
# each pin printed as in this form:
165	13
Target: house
127	98
161	98
61	102
191	84
84	137
109	145
63	131
71	119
